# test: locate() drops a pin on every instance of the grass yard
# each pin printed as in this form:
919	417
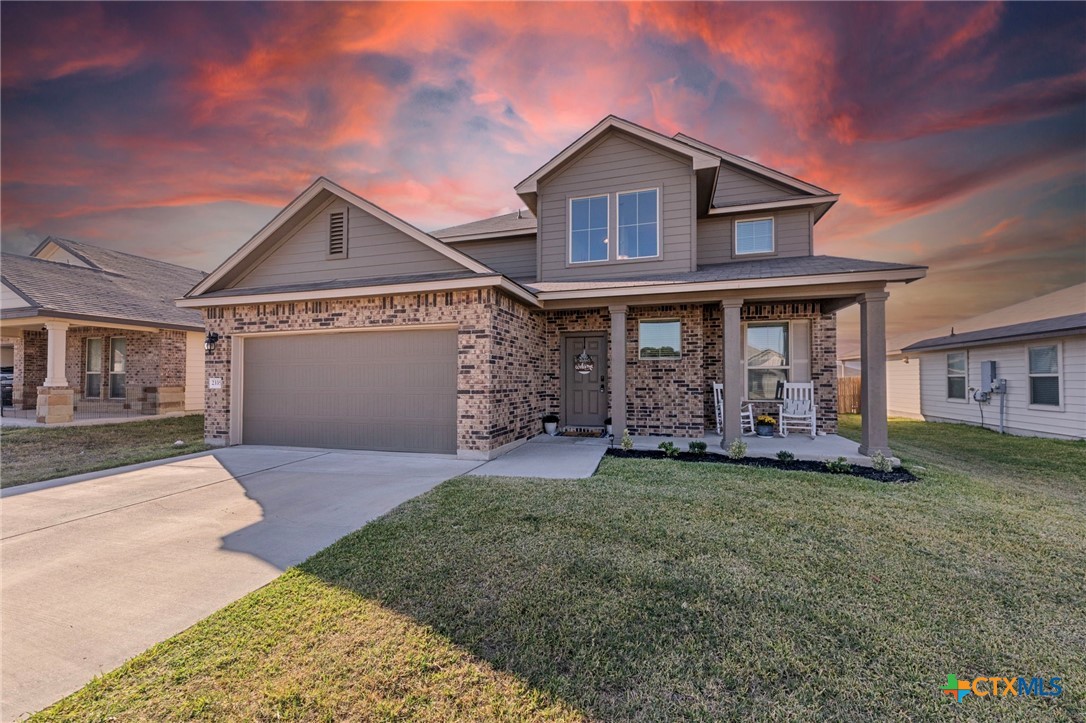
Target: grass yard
32	454
661	590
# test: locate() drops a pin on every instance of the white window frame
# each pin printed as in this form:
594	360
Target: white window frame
791	355
87	372
1058	375
772	236
659	225
109	373
964	375
678	351
569	232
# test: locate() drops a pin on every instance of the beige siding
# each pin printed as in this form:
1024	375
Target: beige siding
1011	365
10	300
375	249
194	371
903	387
792	228
515	257
734	186
617	163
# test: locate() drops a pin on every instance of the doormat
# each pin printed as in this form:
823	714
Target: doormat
582	433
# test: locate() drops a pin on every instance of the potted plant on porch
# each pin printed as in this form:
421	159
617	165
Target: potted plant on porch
550	424
765	425
608	423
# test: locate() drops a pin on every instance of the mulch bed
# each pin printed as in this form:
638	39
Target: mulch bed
898	475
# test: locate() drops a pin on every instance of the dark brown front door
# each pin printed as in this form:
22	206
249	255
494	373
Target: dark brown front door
584	396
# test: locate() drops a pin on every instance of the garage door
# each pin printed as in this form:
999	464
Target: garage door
380	390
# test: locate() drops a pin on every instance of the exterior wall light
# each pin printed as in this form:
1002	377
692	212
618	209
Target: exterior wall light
209	341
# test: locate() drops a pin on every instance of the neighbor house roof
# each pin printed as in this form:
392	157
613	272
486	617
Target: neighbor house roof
517	223
1071	299
114	287
1040	329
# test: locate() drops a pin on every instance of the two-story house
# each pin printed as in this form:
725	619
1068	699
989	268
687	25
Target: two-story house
645	269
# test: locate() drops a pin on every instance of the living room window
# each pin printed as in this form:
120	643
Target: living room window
638	224
769	358
588	227
92	389
754	236
659	339
956	375
1044	375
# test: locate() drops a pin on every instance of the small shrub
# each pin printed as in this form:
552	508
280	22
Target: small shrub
838	466
785	456
737	449
550	419
627	441
881	463
669	449
697	447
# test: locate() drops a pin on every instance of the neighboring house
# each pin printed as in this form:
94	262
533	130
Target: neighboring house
1043	361
87	324
903	366
642	271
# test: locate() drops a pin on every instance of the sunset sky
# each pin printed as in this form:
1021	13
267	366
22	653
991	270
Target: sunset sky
956	133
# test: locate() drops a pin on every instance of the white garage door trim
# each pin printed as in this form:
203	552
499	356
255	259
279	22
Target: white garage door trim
237	361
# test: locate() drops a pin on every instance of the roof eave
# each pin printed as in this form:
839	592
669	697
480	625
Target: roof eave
97	318
486	236
919	346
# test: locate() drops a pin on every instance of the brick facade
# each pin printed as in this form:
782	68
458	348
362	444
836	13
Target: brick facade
154	366
509	358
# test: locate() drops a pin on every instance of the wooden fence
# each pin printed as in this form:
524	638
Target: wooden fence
848	395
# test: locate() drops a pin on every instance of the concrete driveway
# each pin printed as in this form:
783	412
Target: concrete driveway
98	568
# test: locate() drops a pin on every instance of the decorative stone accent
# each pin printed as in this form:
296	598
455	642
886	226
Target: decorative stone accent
55	405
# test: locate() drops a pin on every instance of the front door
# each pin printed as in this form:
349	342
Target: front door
584	384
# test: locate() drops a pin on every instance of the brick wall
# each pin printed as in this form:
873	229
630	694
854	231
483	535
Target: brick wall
33	366
498	398
17	372
152	358
666	396
557	324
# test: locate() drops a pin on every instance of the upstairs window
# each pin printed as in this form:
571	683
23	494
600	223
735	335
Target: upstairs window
754	236
1044	375
638	227
588	229
955	375
337	235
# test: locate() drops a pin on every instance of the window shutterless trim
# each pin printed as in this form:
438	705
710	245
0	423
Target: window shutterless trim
745	326
569	228
659	224
1058	375
964	376
667	320
772	236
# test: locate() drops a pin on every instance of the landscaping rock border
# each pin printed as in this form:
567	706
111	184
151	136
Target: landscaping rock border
899	475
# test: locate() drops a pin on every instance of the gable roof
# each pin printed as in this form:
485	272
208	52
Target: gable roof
115	287
705	164
517	223
320	189
1041	329
753	167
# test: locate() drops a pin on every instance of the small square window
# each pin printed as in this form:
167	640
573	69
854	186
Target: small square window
754	236
659	339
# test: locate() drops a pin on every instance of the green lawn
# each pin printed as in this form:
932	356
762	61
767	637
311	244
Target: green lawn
32	454
662	590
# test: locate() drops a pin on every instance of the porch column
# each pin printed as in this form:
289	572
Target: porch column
55	399
56	353
733	370
618	369
874	436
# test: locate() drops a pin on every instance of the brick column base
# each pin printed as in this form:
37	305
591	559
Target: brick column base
55	404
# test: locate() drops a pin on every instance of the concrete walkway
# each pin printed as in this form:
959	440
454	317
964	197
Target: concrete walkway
549	457
98	568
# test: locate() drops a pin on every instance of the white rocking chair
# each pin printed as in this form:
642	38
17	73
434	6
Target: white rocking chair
797	408
746	412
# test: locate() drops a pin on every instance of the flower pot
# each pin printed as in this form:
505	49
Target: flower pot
609	431
763	430
550	428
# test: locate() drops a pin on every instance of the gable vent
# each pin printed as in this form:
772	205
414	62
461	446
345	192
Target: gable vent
337	234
